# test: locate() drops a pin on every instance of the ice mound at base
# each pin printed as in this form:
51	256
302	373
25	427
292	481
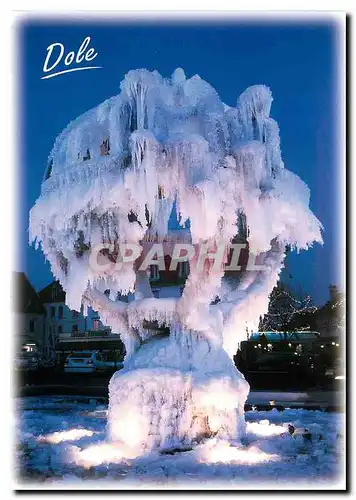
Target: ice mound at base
171	396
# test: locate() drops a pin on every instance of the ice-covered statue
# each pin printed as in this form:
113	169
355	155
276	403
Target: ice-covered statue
116	177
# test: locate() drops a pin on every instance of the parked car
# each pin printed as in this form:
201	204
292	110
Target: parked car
28	361
89	362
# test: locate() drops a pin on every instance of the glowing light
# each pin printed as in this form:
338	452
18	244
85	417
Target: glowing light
61	436
289	345
263	430
340	377
219	397
322	346
98	454
333	343
259	345
129	427
272	403
337	345
224	453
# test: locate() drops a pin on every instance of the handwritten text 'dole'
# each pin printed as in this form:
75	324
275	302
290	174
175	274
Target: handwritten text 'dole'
72	60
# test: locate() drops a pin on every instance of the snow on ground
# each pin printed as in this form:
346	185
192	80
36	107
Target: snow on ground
61	442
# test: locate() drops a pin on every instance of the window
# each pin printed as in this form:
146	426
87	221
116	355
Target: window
75	314
60	330
55	291
156	293
32	325
183	269
154	272
60	312
96	325
53	312
74	329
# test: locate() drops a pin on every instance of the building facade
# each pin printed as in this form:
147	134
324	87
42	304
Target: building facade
29	315
63	323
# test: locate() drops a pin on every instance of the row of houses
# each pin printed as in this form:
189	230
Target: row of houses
44	323
42	319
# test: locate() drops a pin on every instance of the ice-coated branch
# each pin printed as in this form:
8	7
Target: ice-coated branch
116	173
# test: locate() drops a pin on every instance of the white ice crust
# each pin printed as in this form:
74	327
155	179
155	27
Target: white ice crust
173	144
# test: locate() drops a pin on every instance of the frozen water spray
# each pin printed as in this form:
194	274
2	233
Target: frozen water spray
115	176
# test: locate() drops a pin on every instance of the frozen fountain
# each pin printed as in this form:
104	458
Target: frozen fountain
114	177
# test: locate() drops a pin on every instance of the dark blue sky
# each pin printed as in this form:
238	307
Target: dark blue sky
297	61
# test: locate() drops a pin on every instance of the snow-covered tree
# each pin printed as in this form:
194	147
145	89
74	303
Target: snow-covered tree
286	311
172	144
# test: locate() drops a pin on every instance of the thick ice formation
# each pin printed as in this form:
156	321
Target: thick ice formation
172	394
114	176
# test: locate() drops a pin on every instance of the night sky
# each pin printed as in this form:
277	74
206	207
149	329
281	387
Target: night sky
297	61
